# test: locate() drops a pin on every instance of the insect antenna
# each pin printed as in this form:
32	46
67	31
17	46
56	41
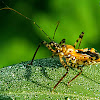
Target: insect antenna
28	19
43	43
56	29
33	23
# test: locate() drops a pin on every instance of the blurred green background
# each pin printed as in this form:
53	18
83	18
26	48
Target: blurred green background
19	37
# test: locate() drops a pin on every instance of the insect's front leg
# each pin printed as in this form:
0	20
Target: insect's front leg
36	52
47	45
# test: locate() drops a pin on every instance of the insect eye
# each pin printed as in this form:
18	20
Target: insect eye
63	46
58	51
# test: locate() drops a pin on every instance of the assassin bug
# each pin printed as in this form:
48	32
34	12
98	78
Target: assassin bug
76	58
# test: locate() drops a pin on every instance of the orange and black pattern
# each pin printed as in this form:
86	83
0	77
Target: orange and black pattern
76	58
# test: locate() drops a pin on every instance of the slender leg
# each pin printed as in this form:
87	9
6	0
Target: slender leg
66	67
75	76
62	42
36	52
80	38
60	80
47	45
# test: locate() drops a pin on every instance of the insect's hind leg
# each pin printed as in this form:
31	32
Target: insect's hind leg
80	38
66	67
75	76
60	80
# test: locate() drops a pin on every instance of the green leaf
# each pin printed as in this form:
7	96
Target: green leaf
22	81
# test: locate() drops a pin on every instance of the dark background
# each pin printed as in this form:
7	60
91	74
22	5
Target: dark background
19	37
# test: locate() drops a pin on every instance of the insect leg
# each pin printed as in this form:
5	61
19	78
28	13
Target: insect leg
80	38
66	67
60	80
36	52
75	76
62	42
47	45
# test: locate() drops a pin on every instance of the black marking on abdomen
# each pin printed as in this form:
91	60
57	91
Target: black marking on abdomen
90	54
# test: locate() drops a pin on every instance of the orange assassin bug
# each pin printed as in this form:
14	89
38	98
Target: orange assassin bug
76	58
